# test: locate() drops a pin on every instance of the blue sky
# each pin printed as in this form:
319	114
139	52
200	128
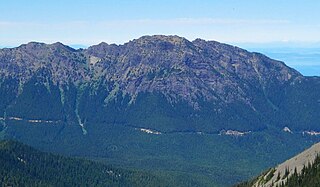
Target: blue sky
246	23
89	22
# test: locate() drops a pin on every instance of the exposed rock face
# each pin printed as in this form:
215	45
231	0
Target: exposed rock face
171	65
190	70
61	63
200	85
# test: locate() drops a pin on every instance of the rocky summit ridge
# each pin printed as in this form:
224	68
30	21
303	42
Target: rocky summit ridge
170	65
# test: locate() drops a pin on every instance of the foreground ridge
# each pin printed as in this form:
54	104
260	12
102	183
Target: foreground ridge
300	170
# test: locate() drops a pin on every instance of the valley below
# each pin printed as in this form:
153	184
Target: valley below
213	158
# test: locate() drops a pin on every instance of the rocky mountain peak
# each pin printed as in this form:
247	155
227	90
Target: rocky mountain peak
32	45
173	39
171	65
103	50
61	46
161	43
40	50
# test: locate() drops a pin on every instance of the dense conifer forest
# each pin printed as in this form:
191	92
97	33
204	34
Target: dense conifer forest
22	165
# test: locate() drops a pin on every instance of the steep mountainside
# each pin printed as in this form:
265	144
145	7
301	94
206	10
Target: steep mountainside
159	99
212	82
301	170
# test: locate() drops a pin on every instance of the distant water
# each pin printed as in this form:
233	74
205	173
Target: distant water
305	60
78	46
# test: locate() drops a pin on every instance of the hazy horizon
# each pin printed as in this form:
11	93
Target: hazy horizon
89	22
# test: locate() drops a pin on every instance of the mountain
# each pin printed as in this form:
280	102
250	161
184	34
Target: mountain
22	165
301	170
206	78
202	108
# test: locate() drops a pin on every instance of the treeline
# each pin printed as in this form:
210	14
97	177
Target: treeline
309	176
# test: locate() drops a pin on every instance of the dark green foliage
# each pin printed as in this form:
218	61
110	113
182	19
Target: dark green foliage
246	184
253	181
152	110
278	177
309	177
114	136
302	105
209	158
270	175
8	92
40	99
286	173
23	166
